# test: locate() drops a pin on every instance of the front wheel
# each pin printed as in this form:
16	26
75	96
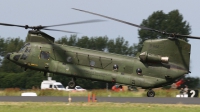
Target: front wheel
150	93
71	84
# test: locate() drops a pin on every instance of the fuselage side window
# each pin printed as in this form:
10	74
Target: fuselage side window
44	55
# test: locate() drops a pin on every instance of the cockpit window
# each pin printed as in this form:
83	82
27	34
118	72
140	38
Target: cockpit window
27	44
44	55
24	56
28	49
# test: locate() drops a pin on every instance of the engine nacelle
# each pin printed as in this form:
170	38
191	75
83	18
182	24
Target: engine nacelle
147	57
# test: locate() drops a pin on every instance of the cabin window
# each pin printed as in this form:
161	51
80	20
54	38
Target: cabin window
24	56
139	71
44	55
16	57
115	67
92	63
69	59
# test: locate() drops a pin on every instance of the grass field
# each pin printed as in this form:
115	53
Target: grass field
94	107
101	93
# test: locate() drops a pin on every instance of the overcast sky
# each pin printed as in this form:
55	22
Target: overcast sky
49	12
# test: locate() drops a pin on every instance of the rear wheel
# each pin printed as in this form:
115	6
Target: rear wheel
150	93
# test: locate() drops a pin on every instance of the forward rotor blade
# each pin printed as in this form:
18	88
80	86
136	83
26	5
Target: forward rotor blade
142	27
6	24
80	22
59	30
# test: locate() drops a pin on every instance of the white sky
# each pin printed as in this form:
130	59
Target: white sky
49	12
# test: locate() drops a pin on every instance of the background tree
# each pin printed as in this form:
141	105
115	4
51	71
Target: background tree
172	22
11	45
99	43
191	82
119	46
95	43
71	41
2	50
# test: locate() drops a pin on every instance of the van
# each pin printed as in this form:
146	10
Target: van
52	84
77	88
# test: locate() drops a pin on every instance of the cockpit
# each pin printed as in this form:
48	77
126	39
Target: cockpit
26	48
22	54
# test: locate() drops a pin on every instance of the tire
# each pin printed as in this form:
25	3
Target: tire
71	84
130	88
150	93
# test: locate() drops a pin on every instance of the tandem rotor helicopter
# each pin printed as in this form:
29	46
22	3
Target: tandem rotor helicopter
160	63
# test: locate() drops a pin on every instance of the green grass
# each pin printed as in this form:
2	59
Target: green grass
99	93
94	107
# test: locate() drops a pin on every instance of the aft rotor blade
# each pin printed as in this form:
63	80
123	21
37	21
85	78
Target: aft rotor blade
80	22
59	30
142	27
188	36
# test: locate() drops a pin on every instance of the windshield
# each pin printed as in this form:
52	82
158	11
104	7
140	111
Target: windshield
27	44
60	86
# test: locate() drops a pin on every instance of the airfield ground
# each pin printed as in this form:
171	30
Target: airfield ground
94	107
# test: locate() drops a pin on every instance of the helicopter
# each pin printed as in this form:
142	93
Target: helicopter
160	62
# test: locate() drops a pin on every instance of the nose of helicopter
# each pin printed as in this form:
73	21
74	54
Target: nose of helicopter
8	56
13	56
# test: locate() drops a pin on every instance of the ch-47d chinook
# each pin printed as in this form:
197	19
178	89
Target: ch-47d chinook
161	61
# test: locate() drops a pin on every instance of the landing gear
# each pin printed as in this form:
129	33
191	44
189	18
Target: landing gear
45	74
150	93
25	69
72	83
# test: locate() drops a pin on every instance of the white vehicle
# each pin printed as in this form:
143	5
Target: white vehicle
52	84
182	96
77	88
29	94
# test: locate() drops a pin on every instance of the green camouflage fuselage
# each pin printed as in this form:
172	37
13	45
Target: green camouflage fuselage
96	65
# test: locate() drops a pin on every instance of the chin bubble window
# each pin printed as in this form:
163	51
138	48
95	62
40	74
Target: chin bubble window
115	67
139	71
